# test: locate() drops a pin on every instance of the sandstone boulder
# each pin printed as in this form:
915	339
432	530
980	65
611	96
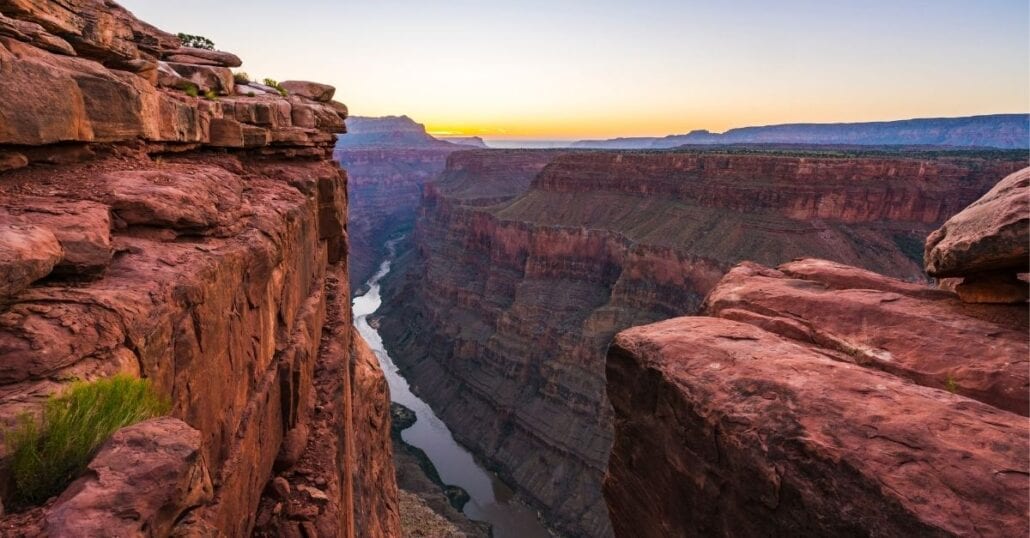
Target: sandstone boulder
206	77
725	429
993	233
27	253
309	90
139	484
203	57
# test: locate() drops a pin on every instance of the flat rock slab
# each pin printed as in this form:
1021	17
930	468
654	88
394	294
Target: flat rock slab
724	429
925	335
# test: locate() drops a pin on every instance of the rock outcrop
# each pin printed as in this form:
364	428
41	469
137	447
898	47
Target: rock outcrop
388	160
526	264
200	243
819	399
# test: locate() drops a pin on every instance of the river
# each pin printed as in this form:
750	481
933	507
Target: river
490	499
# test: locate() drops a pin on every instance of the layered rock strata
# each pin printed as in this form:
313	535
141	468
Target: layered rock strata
526	264
200	243
820	399
388	160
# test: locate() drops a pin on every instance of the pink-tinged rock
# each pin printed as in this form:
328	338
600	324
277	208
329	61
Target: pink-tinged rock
139	484
11	160
309	90
203	57
993	233
82	228
998	287
27	253
103	31
206	77
34	34
226	133
725	429
184	198
922	334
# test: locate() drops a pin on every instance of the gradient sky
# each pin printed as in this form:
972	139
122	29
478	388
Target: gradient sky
600	68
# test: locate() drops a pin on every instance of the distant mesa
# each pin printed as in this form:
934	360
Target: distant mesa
396	132
1006	131
473	141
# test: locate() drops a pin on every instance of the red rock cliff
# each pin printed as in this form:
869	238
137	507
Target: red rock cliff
819	399
200	243
527	263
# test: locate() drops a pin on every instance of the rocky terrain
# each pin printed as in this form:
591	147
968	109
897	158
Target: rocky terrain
820	399
199	242
526	264
991	131
387	160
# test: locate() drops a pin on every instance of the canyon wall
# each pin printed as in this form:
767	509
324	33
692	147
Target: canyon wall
819	399
387	160
197	242
526	264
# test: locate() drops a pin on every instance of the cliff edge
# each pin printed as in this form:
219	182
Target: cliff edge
198	242
820	399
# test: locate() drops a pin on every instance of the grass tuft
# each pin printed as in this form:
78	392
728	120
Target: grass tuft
275	84
241	77
48	454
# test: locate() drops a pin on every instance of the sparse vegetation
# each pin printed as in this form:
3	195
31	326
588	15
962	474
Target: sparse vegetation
271	82
48	453
951	384
250	94
211	95
192	91
196	41
241	77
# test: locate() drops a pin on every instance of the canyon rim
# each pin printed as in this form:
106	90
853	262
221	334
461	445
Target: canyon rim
562	307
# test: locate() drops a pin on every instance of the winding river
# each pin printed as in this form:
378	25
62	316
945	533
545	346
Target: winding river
490	499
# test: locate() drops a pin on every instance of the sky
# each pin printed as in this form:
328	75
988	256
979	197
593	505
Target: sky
573	69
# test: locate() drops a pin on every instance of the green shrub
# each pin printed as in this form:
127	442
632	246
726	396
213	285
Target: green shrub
47	455
192	91
241	77
196	41
211	95
275	84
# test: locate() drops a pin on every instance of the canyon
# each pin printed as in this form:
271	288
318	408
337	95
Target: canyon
524	264
197	242
707	334
388	161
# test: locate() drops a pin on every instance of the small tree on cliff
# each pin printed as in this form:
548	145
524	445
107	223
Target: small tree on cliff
196	41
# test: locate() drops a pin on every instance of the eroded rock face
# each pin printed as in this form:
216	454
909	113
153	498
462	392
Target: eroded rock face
723	428
824	400
526	264
154	244
139	484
